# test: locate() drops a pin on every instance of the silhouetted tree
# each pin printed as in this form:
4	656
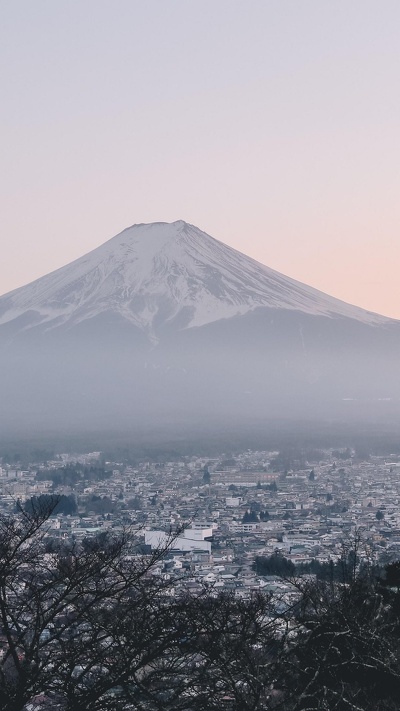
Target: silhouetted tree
87	627
206	475
275	564
81	623
64	504
346	653
250	517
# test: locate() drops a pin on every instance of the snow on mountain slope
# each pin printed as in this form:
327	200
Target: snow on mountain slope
159	274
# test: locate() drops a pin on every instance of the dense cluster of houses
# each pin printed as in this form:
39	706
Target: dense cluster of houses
216	516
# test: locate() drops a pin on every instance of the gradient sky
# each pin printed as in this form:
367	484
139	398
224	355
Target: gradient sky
273	125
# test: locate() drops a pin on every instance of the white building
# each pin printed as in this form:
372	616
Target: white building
190	540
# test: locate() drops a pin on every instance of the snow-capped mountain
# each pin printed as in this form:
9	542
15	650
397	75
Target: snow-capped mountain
158	274
164	323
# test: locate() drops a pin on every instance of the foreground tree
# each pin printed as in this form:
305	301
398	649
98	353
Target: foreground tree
237	646
88	628
346	648
78	625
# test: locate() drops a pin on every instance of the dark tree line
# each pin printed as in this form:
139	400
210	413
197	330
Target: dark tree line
275	564
340	570
62	504
72	474
88	627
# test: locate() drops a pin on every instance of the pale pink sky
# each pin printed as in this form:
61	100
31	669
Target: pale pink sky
273	125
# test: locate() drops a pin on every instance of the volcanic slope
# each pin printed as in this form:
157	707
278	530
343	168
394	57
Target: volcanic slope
163	321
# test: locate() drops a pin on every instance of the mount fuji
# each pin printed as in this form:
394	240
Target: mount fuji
165	322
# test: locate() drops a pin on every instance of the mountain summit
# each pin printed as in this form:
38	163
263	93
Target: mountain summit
164	323
164	274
